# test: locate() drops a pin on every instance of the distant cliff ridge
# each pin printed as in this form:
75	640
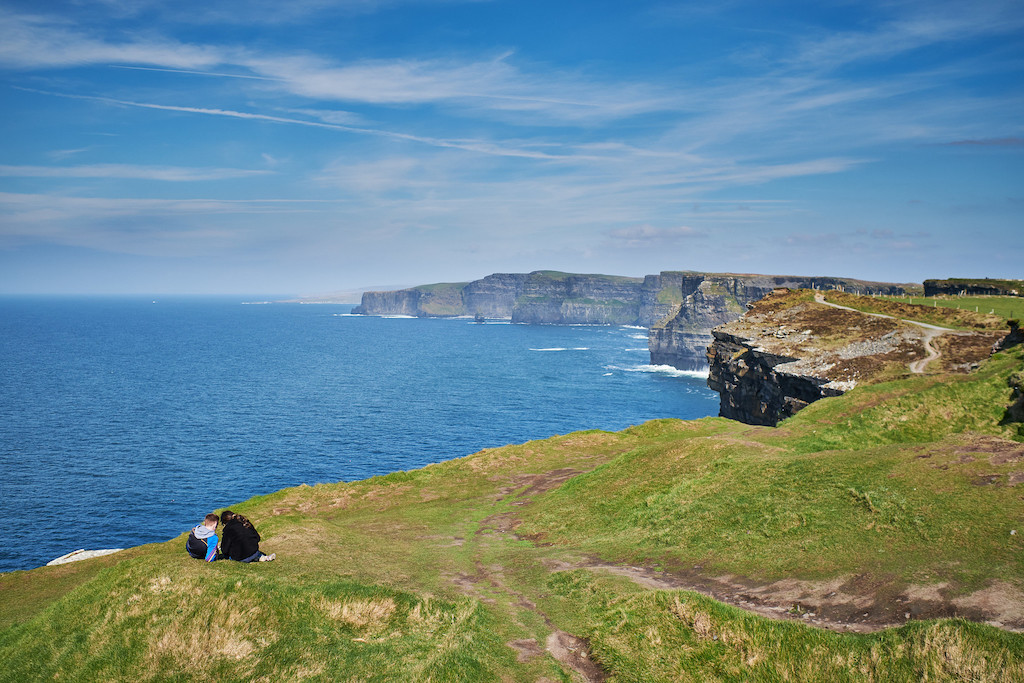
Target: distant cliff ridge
679	307
973	287
538	297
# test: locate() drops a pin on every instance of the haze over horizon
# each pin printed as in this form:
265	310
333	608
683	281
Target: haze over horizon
318	146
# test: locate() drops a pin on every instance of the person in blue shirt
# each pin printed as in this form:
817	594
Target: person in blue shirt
202	540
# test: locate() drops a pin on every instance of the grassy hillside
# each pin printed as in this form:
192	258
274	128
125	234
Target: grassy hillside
1006	307
841	534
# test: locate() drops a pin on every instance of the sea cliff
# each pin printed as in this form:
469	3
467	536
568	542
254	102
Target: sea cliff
711	299
540	297
794	347
679	307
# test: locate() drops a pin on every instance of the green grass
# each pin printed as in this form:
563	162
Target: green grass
559	275
1007	307
431	574
157	619
672	296
442	287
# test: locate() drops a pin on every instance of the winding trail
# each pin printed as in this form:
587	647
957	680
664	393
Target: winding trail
930	333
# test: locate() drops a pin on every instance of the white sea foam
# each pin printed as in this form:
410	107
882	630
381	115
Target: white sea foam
634	327
398	317
638	336
560	348
662	370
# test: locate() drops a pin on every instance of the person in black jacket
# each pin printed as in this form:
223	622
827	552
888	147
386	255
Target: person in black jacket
239	539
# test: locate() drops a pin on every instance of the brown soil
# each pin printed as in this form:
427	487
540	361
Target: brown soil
860	604
1000	451
962	351
575	653
526	649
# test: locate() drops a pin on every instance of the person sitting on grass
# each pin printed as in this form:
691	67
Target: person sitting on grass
202	540
241	541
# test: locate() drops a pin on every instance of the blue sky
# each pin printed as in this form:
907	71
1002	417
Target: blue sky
312	146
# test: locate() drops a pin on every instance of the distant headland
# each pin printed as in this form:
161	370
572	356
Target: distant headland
678	307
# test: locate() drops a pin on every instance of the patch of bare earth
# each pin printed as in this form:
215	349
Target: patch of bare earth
962	351
851	603
575	653
1000	451
526	649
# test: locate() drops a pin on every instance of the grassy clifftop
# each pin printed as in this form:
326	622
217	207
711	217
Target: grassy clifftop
832	544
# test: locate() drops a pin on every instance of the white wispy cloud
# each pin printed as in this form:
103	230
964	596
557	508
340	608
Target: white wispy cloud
481	146
916	25
498	145
648	235
129	171
490	84
779	93
40	42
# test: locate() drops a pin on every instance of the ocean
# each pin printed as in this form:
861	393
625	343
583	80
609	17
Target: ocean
124	421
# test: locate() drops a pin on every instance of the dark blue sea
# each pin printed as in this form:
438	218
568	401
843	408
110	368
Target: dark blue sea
123	421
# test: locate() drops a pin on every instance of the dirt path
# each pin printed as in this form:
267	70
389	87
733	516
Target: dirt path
569	650
930	332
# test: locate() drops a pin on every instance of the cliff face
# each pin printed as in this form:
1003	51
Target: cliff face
709	299
679	307
494	296
538	297
752	390
973	287
791	349
428	301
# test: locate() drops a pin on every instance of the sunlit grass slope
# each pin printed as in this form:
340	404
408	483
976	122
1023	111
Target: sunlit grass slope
465	570
877	480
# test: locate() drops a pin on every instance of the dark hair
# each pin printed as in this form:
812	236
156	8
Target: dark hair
228	516
211	518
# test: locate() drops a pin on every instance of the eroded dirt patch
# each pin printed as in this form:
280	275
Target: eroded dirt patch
526	649
538	483
1000	451
851	603
575	653
1001	604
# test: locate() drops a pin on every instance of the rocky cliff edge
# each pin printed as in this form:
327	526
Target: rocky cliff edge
794	347
711	299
